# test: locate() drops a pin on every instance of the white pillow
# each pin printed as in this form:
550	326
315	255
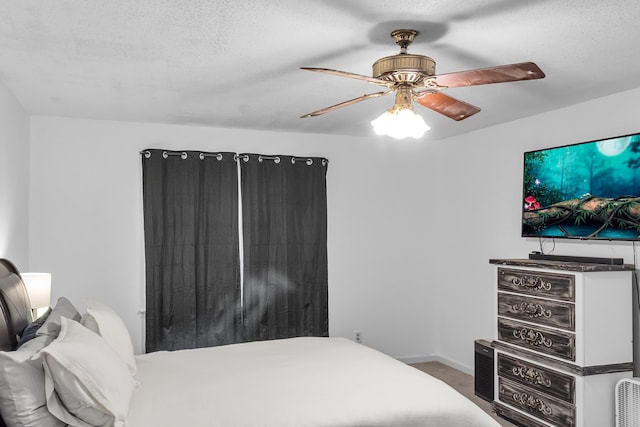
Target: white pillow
102	320
86	382
22	399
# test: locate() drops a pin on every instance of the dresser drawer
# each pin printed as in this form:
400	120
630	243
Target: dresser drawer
557	314
537	377
548	341
535	283
537	404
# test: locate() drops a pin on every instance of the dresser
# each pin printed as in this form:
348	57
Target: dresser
564	339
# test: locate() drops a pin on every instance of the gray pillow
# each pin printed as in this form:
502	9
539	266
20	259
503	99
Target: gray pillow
22	397
63	308
30	331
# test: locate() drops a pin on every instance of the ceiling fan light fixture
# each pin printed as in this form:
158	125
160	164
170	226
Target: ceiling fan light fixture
400	122
413	78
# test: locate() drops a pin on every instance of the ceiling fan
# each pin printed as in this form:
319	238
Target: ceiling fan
414	78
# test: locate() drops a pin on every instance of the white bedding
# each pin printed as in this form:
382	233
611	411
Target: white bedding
294	382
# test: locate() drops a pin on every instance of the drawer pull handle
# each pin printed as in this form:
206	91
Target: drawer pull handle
532	402
532	310
532	282
532	337
531	376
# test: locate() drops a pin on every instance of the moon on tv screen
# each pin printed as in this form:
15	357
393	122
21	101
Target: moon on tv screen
613	147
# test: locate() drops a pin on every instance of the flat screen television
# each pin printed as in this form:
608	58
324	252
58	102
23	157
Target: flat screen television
589	190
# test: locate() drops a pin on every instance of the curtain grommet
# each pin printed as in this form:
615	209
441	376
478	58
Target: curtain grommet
276	159
308	161
183	155
218	156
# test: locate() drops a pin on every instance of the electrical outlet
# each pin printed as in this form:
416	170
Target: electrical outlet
358	336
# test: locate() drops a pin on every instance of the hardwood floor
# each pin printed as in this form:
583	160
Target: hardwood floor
462	382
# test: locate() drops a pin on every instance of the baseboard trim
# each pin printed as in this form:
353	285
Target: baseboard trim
435	358
455	365
416	359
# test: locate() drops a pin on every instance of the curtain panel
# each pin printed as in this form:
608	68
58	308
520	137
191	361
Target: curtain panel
195	294
191	249
284	224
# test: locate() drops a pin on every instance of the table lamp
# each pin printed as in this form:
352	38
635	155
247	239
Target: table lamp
39	290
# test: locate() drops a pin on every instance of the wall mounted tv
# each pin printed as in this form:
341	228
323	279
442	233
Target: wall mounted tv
589	190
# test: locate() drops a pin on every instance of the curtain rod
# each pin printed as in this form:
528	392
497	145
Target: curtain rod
183	154
245	157
218	156
276	159
166	154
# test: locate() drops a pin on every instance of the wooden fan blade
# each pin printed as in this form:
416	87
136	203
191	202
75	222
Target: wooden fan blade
500	74
350	75
345	103
446	105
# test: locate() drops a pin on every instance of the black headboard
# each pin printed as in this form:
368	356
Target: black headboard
14	306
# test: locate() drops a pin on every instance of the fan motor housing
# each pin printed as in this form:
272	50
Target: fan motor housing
404	68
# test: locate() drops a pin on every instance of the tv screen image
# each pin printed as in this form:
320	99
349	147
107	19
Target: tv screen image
589	190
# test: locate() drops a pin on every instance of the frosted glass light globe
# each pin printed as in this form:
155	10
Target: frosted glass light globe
400	123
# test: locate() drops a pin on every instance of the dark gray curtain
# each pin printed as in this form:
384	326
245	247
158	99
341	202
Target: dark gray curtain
191	248
284	216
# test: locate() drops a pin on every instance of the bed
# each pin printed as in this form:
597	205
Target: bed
79	369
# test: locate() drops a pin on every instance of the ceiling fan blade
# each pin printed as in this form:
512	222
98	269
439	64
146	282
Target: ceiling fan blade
483	76
345	103
446	105
350	75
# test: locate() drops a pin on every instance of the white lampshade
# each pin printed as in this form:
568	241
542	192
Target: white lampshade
400	123
39	288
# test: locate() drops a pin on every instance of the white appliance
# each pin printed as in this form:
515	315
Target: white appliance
628	402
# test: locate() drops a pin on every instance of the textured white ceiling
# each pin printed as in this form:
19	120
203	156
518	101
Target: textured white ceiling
236	63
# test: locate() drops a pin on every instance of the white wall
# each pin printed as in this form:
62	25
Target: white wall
411	226
483	193
14	180
86	223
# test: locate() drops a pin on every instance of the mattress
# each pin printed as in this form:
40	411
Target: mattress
293	382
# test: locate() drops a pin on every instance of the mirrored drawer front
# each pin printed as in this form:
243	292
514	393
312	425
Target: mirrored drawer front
534	283
537	404
539	378
548	341
543	312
